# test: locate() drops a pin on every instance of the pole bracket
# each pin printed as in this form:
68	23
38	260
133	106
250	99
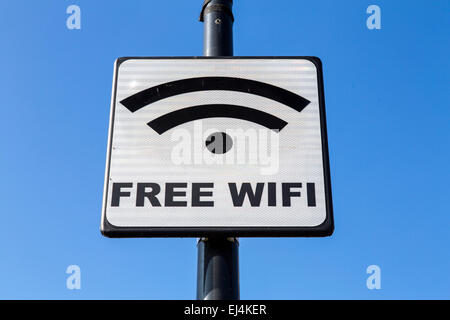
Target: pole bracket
206	8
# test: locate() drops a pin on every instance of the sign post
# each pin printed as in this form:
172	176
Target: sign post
217	147
218	257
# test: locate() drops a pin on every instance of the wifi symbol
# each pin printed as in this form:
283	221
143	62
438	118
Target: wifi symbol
176	118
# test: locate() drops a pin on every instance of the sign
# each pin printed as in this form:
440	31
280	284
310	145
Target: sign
234	146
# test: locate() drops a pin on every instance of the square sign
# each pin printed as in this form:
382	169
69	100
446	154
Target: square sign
231	146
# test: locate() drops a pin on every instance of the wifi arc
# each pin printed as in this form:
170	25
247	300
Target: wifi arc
173	88
176	118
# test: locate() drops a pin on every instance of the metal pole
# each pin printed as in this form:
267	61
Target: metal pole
218	19
218	269
218	257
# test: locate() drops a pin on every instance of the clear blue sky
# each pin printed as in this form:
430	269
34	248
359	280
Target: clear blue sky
387	98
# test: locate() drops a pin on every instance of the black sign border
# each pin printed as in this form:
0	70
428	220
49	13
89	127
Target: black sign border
323	230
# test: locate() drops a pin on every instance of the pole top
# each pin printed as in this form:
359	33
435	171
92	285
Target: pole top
217	5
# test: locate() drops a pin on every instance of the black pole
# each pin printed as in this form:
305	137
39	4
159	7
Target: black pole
218	257
218	19
218	269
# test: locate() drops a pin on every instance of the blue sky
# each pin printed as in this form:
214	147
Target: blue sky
387	99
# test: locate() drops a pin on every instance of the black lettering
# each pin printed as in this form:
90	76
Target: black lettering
117	192
141	194
311	194
287	194
272	194
171	193
197	193
246	189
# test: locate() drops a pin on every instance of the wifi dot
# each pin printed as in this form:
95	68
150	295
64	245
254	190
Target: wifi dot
219	143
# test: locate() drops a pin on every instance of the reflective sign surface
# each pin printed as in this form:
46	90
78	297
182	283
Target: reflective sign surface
207	145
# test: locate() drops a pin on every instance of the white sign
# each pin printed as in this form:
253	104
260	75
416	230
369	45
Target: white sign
235	146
